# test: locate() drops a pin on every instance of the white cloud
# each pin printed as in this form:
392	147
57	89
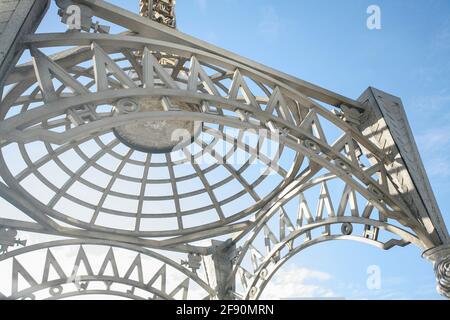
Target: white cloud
296	282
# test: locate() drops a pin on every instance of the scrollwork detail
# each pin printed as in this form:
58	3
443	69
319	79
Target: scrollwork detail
442	270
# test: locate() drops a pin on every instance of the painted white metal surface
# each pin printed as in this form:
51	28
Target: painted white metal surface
344	170
17	18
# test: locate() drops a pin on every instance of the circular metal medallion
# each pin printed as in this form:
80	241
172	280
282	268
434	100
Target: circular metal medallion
157	136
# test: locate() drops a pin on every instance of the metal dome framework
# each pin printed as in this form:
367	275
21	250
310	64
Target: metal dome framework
328	179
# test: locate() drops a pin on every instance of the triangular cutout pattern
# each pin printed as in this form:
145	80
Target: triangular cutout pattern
103	65
51	264
198	75
46	69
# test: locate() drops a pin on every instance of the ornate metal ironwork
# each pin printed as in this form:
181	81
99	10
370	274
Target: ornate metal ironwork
162	11
85	153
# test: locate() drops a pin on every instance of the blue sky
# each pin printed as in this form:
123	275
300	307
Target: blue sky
327	43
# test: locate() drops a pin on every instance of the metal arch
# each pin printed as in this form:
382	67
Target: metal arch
306	181
99	277
133	42
267	255
137	43
130	92
164	116
57	284
263	277
183	94
96	292
342	124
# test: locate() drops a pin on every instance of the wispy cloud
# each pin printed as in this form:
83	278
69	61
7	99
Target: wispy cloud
431	102
295	282
434	144
202	5
391	288
438	167
434	139
441	40
270	22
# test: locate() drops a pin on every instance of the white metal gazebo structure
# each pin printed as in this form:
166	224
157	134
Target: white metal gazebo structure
148	144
